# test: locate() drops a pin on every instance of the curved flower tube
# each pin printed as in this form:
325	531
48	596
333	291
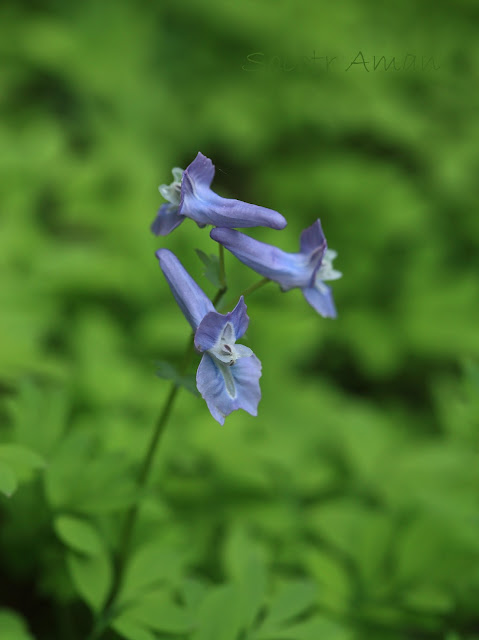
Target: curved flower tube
190	196
228	374
307	270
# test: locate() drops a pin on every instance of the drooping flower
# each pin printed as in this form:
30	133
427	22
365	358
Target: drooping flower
228	374
308	269
190	196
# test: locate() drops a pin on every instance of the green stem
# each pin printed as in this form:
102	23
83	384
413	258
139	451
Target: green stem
222	276
248	291
132	514
255	286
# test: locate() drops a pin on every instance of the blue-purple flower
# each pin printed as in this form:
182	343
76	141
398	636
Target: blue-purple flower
228	374
308	269
190	196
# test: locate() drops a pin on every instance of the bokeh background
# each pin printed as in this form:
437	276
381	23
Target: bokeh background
353	497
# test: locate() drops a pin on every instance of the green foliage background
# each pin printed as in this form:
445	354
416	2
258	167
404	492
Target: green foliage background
349	508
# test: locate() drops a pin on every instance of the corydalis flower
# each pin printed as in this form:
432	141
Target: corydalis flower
190	196
308	269
228	374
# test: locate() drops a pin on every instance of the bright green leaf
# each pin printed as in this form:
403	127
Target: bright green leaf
106	484
21	460
91	576
212	270
246	566
131	629
429	598
156	610
151	566
78	534
8	480
167	371
218	615
315	629
293	599
12	626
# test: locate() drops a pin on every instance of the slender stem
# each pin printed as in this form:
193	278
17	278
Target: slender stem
222	276
222	265
255	286
132	513
249	290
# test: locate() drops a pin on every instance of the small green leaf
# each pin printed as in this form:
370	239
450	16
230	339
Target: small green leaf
332	578
245	563
193	591
218	616
106	483
151	566
156	610
22	461
429	598
12	626
212	267
292	600
39	415
91	576
167	371
78	534
8	480
131	629
316	628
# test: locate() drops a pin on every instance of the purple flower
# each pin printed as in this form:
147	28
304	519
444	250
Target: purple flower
307	269
190	196
228	374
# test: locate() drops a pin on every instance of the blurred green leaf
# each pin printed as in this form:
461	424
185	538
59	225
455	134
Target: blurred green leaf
156	610
313	629
107	484
79	535
335	586
39	415
167	371
429	598
131	629
212	270
8	480
292	600
91	576
152	565
12	626
246	566
17	464
218	616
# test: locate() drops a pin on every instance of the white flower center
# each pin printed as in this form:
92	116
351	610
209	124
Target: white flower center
172	192
226	351
326	271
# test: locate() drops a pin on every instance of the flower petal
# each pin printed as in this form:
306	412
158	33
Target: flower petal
209	330
288	269
192	300
242	351
166	219
226	389
239	318
321	299
246	374
313	238
200	172
203	205
207	207
213	324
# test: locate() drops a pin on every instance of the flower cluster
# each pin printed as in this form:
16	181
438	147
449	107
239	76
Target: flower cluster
228	374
